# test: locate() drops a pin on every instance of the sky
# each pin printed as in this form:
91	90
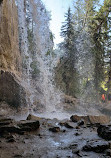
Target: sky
58	8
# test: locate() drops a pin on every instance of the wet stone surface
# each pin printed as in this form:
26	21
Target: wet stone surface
59	142
104	131
96	145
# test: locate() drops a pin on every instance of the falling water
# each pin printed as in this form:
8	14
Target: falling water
38	62
40	90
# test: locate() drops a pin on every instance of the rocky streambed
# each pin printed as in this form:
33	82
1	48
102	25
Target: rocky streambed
80	136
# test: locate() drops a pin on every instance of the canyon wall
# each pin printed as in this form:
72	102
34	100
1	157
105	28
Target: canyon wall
26	44
10	59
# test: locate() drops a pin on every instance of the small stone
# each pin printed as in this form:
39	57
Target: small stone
32	117
73	146
29	126
69	125
11	140
54	129
77	127
80	123
64	131
77	134
63	122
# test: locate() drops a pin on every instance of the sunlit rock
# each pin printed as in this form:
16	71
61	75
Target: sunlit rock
32	117
91	119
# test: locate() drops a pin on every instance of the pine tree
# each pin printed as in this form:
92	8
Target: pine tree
67	69
98	28
67	32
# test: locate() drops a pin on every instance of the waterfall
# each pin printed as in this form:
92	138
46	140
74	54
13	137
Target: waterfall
38	63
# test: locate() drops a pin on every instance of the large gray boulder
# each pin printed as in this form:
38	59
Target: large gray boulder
103	119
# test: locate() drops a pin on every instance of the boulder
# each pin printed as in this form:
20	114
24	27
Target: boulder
104	131
54	129
5	121
9	129
28	126
97	146
103	119
67	124
81	122
19	128
11	91
91	119
70	125
76	118
63	122
32	117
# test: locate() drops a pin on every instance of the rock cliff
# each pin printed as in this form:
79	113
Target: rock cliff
25	39
10	58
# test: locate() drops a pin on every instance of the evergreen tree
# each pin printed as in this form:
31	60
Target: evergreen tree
67	32
100	36
69	72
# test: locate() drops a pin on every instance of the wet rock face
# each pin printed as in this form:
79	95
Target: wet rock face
9	44
104	131
10	90
10	58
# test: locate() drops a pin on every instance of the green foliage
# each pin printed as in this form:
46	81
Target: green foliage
99	30
48	52
31	40
66	73
95	21
35	70
67	79
51	37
